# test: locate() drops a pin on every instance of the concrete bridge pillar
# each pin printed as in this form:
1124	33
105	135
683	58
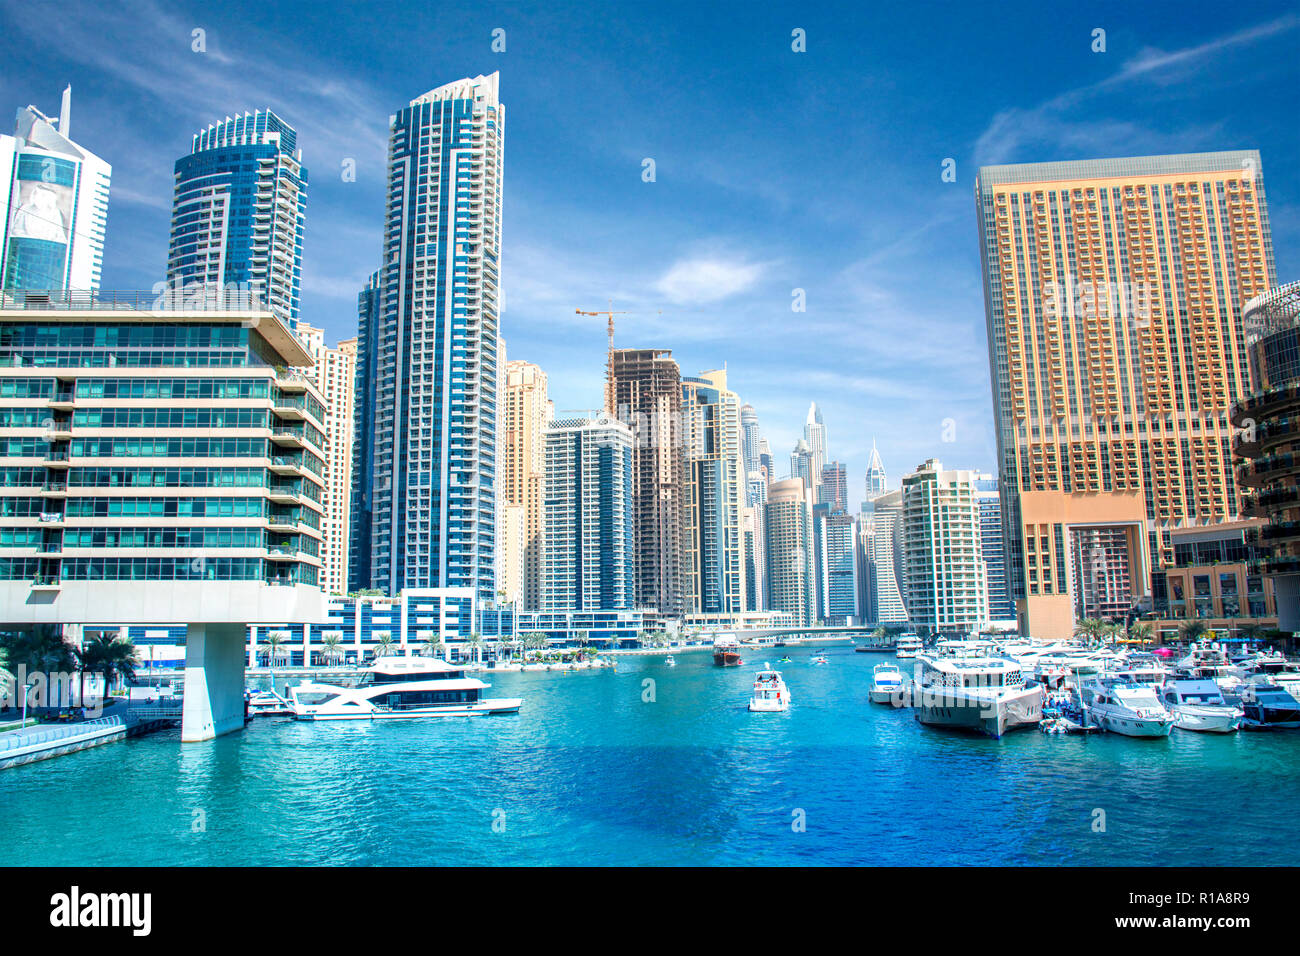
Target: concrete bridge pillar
214	681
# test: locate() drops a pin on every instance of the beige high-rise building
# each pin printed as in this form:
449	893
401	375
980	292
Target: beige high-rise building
945	578
791	583
334	375
713	552
526	413
1113	293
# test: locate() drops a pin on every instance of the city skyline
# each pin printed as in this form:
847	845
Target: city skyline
877	267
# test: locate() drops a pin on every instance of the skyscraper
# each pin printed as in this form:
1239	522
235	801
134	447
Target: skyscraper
239	209
888	577
750	443
588	541
814	433
1113	292
801	464
361	542
56	208
430	346
527	411
334	374
713	566
946	588
834	486
993	548
646	389
835	544
877	483
788	519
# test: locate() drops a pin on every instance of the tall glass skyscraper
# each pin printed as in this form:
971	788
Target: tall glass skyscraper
239	209
56	207
428	349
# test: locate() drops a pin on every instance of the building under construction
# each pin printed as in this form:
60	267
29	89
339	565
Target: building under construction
644	391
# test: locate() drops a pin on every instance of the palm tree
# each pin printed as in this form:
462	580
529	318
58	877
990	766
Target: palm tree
42	648
433	646
331	644
475	642
274	641
112	656
1191	631
1090	629
384	641
1141	631
1250	633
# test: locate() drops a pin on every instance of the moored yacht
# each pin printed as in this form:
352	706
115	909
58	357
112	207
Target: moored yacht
1199	705
886	685
908	646
1268	707
267	703
400	688
770	693
962	686
1131	709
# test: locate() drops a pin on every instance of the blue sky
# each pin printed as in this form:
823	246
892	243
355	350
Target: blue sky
775	170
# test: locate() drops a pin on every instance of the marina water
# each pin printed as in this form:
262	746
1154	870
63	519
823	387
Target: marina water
601	767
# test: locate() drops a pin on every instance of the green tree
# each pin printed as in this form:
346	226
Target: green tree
274	641
1141	631
433	646
113	657
1190	631
383	644
331	644
475	642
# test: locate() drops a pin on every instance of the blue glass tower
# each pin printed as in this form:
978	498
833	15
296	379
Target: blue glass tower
429	348
239	209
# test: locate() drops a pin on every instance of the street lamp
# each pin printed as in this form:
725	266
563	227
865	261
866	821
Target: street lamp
26	693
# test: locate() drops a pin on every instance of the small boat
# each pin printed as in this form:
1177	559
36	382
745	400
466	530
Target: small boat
785	660
770	693
1268	707
819	659
669	661
1199	705
886	685
961	686
726	651
267	703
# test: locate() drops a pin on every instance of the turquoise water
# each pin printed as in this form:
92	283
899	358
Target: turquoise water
589	773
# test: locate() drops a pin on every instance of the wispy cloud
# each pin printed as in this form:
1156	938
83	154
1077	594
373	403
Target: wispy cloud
708	279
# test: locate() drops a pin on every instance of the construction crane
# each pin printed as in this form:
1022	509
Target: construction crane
609	313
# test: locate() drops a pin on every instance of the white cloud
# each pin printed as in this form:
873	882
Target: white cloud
707	279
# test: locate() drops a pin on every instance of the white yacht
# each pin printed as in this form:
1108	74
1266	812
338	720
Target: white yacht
1133	710
907	646
1199	705
670	661
962	686
886	685
770	693
1271	668
400	688
1210	661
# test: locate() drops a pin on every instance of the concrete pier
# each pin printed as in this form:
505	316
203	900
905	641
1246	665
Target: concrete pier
214	681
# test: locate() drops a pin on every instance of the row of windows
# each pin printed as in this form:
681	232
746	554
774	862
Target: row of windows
172	388
169	447
26	387
122	335
164	537
171	417
164	477
162	569
69	358
165	507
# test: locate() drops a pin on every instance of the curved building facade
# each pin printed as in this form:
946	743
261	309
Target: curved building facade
1267	443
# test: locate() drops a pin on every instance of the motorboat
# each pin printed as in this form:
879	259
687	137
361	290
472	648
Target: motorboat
770	693
669	661
726	651
1271	668
1209	661
1131	709
1268	707
962	686
907	646
1199	705
819	659
400	688
785	660
886	685
267	703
